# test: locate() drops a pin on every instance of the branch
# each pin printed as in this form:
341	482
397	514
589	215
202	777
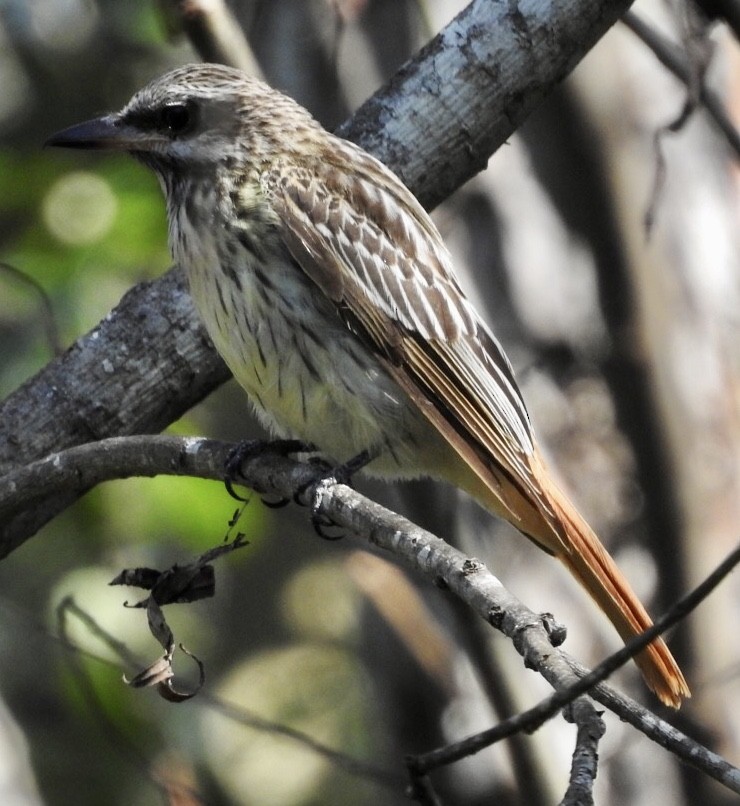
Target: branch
450	108
585	759
672	57
589	682
436	124
142	367
216	34
665	735
74	471
469	579
129	662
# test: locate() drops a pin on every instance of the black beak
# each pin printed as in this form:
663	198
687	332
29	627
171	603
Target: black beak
108	132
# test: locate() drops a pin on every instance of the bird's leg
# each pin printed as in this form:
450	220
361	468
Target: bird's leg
337	474
342	474
252	448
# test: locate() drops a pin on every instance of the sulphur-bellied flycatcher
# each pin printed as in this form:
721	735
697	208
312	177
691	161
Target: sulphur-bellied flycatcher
330	294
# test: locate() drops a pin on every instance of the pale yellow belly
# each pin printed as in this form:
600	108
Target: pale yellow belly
307	376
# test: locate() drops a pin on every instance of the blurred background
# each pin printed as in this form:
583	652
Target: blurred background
626	346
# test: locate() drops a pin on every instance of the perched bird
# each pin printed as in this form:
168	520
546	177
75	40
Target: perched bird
331	296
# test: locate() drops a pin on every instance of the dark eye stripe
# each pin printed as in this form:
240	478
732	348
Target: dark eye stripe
174	119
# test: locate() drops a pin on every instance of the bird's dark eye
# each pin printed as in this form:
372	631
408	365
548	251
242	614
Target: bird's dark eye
178	119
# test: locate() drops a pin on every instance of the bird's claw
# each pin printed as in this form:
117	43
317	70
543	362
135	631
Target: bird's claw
251	448
329	475
313	493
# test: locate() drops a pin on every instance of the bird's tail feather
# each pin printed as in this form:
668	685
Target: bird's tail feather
584	556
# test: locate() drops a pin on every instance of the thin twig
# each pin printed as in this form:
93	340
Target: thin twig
230	710
108	728
684	747
48	316
354	766
672	57
532	719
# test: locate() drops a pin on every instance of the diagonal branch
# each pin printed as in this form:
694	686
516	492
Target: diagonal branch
215	33
467	578
671	56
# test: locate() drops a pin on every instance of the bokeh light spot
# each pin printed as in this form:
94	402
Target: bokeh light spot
80	208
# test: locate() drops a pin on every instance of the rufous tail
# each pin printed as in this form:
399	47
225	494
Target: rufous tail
582	553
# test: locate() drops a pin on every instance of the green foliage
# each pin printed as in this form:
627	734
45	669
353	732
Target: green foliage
49	195
83	236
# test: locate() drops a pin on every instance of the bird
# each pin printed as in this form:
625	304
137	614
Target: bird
332	297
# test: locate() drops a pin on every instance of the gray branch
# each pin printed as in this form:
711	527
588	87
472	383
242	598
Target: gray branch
215	33
77	469
585	758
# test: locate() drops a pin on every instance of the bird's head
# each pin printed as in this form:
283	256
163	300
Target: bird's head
195	118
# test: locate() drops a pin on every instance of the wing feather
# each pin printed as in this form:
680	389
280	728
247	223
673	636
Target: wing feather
364	239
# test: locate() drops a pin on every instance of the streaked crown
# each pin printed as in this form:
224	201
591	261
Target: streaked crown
202	114
199	117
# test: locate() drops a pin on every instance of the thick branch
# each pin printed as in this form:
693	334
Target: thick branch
447	110
215	33
144	365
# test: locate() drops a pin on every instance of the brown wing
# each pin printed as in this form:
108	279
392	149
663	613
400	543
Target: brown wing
365	240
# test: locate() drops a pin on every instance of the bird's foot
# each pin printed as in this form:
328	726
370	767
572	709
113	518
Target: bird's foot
329	475
252	448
